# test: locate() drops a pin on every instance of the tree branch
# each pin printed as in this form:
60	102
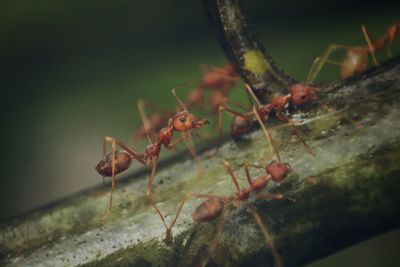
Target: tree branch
356	195
244	49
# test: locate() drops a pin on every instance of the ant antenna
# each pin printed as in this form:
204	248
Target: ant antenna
248	88
180	86
183	106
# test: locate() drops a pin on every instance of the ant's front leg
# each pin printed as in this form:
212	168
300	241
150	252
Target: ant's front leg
183	201
178	140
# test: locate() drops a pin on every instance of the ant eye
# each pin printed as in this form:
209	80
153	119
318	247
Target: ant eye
182	119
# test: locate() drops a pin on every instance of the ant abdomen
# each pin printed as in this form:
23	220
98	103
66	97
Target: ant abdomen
209	210
122	162
240	126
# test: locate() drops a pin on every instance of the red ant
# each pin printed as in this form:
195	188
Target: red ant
214	206
118	161
219	81
299	94
356	58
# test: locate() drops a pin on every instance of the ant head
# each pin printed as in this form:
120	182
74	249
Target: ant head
185	121
302	94
278	170
122	162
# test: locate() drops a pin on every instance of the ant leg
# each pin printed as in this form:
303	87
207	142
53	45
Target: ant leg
190	146
247	171
139	157
178	140
274	196
217	237
104	153
326	108
299	133
320	61
267	133
267	236
184	199
233	102
136	155
163	113
225	108
228	168
107	214
169	229
149	196
370	46
260	121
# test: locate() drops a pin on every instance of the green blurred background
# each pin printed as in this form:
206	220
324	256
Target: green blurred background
72	72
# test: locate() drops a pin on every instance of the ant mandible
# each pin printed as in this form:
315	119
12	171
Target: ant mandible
356	58
118	161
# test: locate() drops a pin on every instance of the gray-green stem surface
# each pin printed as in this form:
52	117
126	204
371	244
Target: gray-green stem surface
355	197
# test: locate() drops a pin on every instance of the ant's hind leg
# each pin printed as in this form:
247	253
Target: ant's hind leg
231	111
132	153
169	238
107	214
267	236
370	46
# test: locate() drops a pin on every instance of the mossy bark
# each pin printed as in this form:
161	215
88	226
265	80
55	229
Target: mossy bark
355	197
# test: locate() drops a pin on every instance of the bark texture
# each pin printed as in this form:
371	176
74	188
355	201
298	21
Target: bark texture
355	197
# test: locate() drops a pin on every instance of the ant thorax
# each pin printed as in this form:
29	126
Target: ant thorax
165	135
280	102
153	150
264	111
